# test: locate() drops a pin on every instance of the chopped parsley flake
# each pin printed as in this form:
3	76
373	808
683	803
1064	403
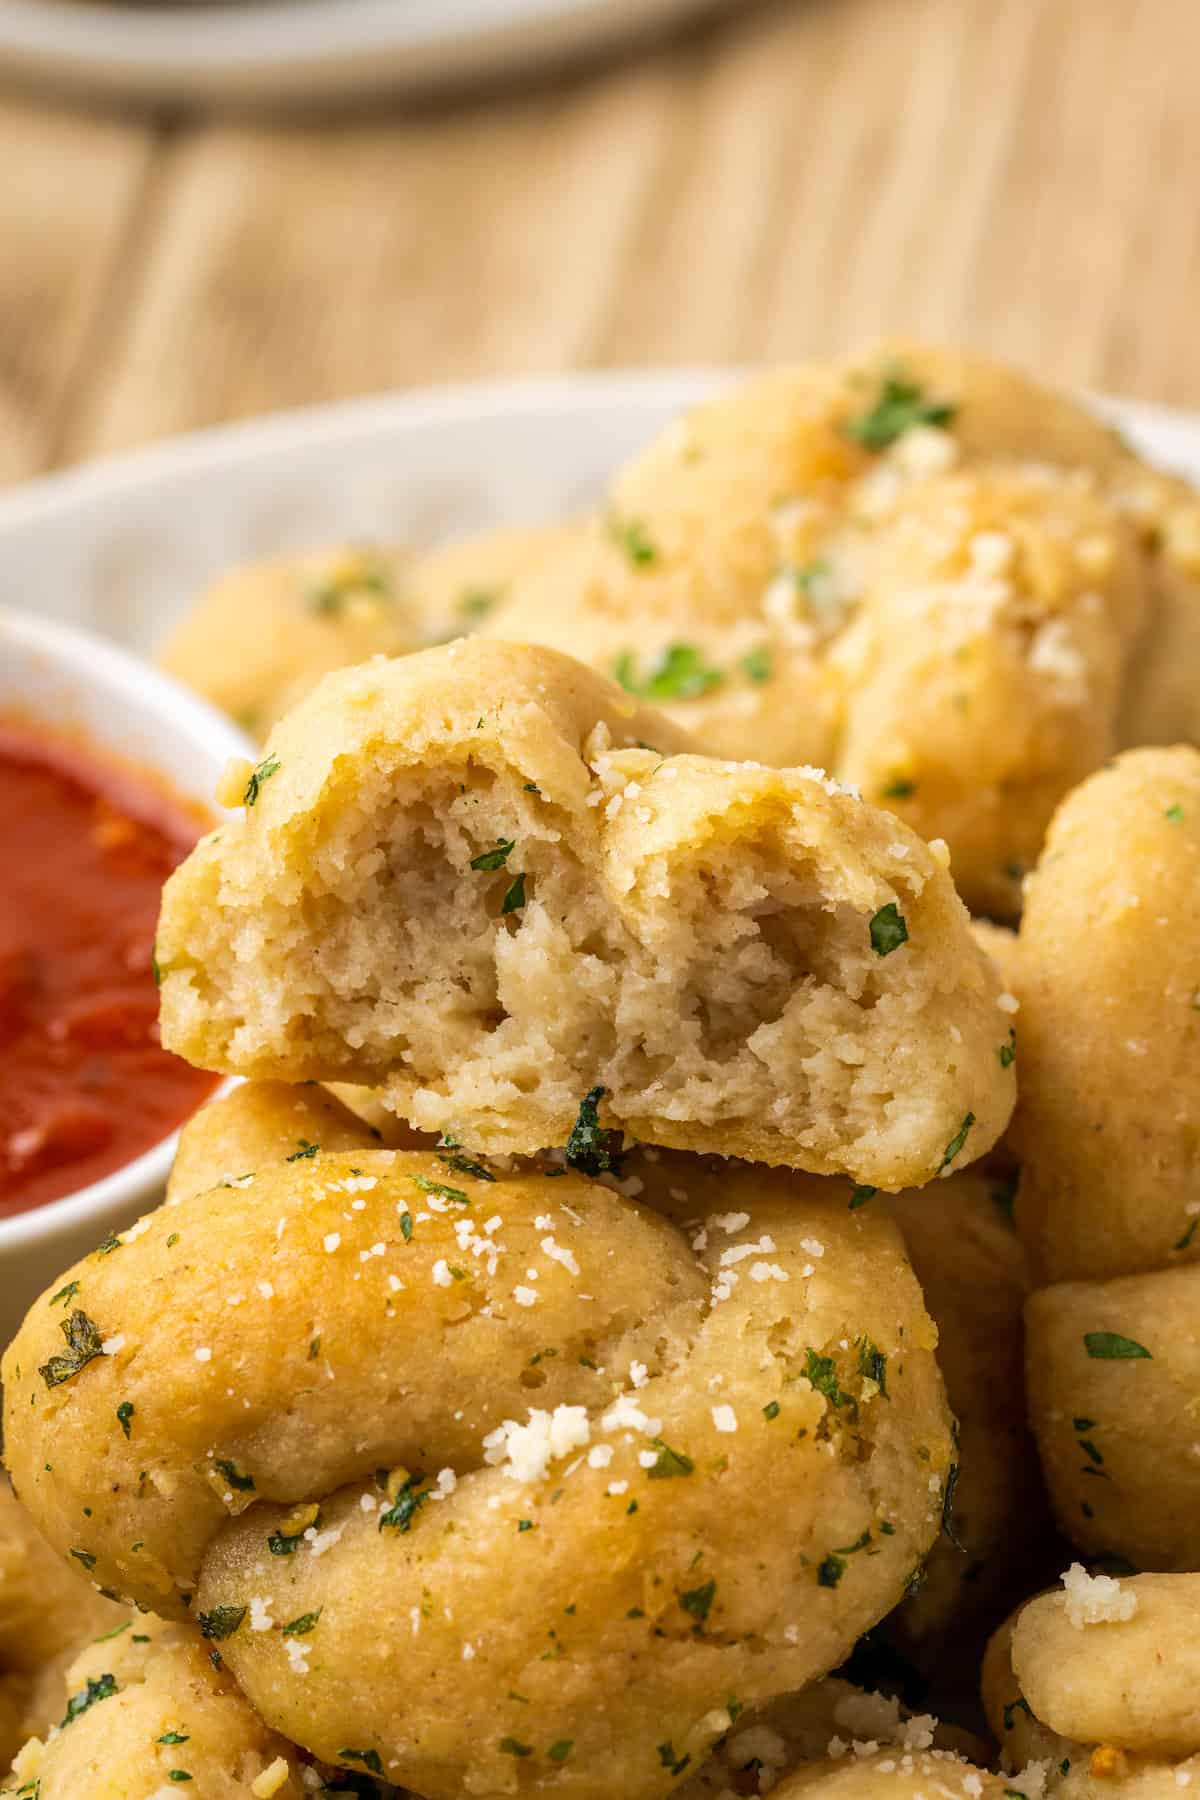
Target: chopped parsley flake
495	859
831	1568
462	1165
1174	813
405	1507
1008	1052
221	1622
368	1758
1184	1242
303	1625
268	767
283	1543
234	1476
872	1364
112	1242
756	664
103	1688
406	1226
174	1737
304	1152
631	536
440	1188
956	1142
560	1751
591	1147
822	1373
888	930
677	672
155	966
1110	1346
178	1775
83	1345
900	789
698	1601
668	1463
810	578
861	1195
64	1294
771	1410
510	1746
85	1557
476	603
514	896
899	406
352	575
669	1760
125	1413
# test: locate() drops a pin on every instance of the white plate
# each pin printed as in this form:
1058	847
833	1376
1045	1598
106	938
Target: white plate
280	51
123	546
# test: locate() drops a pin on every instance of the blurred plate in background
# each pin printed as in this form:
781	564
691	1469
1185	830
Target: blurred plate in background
307	50
123	546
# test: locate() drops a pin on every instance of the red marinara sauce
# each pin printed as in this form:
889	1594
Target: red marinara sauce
85	1085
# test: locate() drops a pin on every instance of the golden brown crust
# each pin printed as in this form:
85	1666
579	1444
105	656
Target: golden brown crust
943	602
261	1122
144	1711
258	639
1112	1374
905	1775
661	1609
47	1609
1109	1026
467	882
1105	1710
982	671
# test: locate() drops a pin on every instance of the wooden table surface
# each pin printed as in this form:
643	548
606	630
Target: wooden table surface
1020	174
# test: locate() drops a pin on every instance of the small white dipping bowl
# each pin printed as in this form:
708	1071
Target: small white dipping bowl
67	680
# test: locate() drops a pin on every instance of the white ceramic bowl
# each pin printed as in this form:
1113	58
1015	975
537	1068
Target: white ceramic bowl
68	679
285	52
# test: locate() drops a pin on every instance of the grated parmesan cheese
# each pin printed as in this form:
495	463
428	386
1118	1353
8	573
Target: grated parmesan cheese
1096	1599
529	1449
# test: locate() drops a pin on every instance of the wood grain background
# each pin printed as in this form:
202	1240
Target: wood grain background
1020	174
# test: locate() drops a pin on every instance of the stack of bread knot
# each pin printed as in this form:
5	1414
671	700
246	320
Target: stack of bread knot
591	1352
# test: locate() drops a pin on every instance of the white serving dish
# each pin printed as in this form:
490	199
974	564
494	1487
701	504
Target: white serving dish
292	52
67	679
122	546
